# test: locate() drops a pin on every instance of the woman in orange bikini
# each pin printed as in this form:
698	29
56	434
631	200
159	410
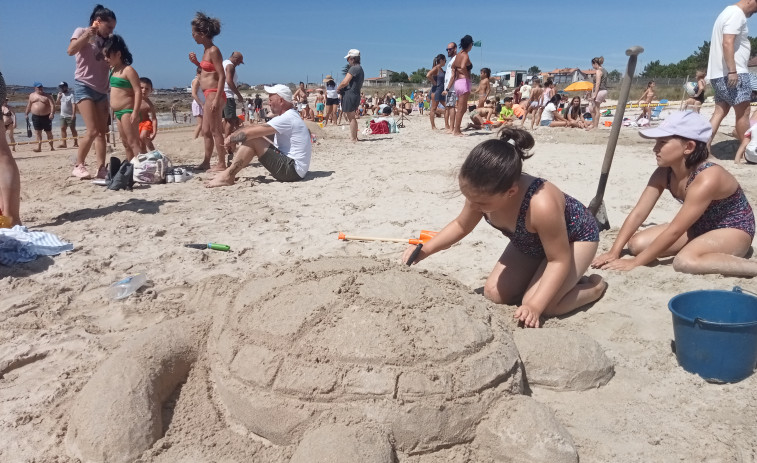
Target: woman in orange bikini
212	78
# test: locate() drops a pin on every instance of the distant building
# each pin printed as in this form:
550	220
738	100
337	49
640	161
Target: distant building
510	78
752	65
383	79
568	75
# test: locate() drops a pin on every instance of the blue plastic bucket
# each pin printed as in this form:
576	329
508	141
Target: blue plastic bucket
716	333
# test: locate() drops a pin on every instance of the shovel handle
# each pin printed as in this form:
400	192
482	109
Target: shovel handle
344	237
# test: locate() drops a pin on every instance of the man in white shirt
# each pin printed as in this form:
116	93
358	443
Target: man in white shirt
450	96
287	156
727	66
65	99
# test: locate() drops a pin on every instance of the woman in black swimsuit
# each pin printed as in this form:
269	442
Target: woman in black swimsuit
9	123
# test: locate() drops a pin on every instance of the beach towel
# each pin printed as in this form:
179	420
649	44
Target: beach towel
18	245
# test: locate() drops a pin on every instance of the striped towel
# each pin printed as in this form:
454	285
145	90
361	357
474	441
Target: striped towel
18	245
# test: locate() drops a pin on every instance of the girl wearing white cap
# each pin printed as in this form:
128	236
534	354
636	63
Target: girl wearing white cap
713	230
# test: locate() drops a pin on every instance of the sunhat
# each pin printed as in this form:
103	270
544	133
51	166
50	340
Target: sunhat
685	124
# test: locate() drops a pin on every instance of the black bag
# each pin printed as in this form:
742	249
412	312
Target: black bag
28	128
120	175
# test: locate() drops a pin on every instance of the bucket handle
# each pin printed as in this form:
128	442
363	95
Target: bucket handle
702	322
739	289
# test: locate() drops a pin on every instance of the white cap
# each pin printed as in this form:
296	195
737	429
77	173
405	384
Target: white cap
352	53
686	124
281	90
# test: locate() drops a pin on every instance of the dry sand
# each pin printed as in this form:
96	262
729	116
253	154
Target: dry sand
57	327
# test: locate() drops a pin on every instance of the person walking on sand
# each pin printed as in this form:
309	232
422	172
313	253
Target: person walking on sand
230	119
10	179
448	92
91	87
65	99
350	88
287	157
553	237
212	79
198	100
599	92
645	100
42	107
730	50
9	122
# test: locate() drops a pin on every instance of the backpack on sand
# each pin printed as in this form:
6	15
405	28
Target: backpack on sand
120	175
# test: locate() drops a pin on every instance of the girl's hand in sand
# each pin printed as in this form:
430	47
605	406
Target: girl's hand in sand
602	260
193	58
528	315
409	251
623	265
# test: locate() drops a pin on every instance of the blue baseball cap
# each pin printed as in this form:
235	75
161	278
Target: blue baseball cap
38	84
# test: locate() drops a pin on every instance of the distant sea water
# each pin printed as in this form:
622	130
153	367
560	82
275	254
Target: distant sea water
164	119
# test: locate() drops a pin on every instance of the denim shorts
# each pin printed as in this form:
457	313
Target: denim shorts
83	92
732	96
545	123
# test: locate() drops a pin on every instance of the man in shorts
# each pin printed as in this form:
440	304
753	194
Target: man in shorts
287	157
727	69
450	97
42	107
231	121
65	99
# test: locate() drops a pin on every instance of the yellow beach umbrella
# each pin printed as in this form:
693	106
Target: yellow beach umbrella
579	86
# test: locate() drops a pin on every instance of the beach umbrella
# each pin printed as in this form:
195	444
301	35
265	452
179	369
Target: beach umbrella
582	86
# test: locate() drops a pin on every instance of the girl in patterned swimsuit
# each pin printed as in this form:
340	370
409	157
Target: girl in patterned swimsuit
713	230
553	237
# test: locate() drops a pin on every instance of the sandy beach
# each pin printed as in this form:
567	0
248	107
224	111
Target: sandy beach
57	326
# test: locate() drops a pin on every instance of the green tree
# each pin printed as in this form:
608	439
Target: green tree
419	76
614	75
345	69
398	77
534	70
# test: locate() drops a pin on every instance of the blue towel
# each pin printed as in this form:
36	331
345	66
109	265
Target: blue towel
18	245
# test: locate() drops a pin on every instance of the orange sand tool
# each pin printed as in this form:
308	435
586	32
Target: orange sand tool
424	237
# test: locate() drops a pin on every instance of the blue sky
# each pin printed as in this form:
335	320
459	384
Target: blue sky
292	41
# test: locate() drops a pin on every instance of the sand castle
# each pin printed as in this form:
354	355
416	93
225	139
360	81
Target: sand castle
340	359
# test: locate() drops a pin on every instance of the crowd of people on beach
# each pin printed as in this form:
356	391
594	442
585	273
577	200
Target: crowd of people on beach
553	238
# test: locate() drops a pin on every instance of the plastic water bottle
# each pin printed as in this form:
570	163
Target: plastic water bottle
124	288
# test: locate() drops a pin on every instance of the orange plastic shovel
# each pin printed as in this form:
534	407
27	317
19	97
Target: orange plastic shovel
423	238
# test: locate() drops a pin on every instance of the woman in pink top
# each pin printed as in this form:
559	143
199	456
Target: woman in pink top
91	86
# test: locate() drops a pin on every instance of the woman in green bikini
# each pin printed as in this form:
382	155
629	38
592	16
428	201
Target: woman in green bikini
124	101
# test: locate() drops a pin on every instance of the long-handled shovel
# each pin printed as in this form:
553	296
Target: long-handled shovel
597	205
422	238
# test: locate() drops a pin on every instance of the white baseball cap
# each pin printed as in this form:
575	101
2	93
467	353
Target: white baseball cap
352	53
281	90
685	124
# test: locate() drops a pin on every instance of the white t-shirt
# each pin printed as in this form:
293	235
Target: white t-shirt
547	113
751	149
293	139
66	101
525	92
226	88
731	21
448	72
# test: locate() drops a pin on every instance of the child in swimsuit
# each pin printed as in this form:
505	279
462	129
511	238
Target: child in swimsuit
212	78
148	125
713	230
553	237
124	100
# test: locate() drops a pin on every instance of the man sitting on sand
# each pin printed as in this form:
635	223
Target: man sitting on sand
287	158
